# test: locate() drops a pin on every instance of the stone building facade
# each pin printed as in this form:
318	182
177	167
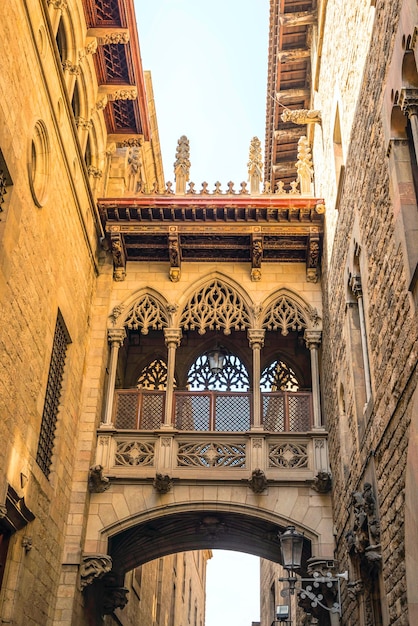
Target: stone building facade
122	445
360	118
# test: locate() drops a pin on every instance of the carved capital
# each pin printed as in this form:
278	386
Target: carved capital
256	337
81	122
408	101
172	336
355	588
92	567
71	68
116	336
312	339
58	4
95	172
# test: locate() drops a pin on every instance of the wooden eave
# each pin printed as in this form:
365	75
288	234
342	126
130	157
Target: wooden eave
127	117
289	73
212	227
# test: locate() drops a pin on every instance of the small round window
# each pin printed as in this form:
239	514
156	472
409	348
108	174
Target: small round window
39	164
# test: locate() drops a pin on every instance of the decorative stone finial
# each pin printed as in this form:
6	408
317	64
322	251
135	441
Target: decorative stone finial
255	165
182	164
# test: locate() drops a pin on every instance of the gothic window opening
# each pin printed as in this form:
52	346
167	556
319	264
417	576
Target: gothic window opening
52	396
232	377
154	376
279	376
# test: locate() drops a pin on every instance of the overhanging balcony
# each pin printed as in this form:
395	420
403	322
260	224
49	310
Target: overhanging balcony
217	411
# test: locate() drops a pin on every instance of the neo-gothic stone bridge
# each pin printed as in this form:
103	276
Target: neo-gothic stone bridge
189	459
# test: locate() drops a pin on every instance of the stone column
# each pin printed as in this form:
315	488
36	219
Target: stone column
172	338
116	338
408	100
256	341
313	341
356	288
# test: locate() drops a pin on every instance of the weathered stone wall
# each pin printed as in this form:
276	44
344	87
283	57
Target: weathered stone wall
47	262
379	434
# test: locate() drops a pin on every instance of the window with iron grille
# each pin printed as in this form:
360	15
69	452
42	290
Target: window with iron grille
52	396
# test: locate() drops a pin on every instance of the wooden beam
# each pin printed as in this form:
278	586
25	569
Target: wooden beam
301	18
298	54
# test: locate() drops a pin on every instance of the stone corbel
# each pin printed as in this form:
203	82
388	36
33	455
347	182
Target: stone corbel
256	257
98	483
93	567
127	93
313	258
322	482
408	101
258	481
301	116
119	256
114	598
110	36
174	256
162	483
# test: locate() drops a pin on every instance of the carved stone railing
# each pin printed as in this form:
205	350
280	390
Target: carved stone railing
210	455
218	411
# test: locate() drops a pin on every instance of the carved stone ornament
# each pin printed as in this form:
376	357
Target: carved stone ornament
73	68
119	257
182	164
114	598
363	538
162	483
3	189
322	482
119	37
301	116
355	588
255	165
58	4
92	567
258	481
124	94
97	481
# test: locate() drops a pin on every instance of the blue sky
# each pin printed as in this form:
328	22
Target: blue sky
208	61
209	69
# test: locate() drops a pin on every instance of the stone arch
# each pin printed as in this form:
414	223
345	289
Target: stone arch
411	514
218	303
197	524
409	71
286	311
146	309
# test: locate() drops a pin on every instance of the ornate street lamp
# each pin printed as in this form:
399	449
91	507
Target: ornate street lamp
311	589
216	359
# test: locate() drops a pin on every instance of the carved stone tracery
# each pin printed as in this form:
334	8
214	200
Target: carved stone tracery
215	307
284	315
146	314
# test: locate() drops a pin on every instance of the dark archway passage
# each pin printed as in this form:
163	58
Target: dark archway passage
197	530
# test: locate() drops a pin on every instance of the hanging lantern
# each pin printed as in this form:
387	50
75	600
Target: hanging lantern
216	359
291	544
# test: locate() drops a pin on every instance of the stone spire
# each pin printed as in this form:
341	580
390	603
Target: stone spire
255	165
182	164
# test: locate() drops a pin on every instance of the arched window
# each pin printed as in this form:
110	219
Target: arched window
232	377
279	376
154	376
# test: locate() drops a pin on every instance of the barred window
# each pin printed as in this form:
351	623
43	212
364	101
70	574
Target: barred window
52	396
